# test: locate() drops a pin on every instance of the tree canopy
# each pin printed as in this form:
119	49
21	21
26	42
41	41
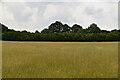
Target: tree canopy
58	31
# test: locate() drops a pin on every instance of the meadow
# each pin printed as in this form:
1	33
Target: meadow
59	59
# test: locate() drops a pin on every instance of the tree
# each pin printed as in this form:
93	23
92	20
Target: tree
61	32
46	31
105	31
114	30
93	29
75	28
36	31
24	31
82	31
3	28
56	27
66	28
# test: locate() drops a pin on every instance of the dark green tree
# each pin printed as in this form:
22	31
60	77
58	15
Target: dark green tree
66	28
105	31
37	31
75	28
61	32
46	31
3	28
93	29
56	27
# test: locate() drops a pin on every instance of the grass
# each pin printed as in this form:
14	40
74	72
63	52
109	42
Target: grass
60	59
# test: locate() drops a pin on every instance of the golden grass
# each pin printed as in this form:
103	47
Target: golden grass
60	59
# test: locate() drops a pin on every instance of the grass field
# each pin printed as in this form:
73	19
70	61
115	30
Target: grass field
60	59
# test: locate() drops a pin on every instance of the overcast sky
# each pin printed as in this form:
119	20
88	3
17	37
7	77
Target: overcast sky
36	15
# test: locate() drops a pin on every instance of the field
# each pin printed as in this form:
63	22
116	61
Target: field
59	59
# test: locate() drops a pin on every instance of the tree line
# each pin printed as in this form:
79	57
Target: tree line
61	32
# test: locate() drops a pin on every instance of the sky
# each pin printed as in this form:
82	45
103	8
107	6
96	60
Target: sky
32	15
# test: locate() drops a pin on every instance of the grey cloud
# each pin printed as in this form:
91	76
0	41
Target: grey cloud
20	12
97	13
92	11
60	0
38	15
119	15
